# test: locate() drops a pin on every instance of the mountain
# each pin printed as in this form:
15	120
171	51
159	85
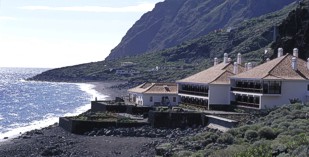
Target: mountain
174	21
249	37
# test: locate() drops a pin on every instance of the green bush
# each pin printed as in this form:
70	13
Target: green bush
226	139
251	135
267	133
261	150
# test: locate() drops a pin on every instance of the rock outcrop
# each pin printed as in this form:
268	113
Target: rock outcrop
174	21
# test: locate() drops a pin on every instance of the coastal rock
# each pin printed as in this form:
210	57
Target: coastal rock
51	151
163	149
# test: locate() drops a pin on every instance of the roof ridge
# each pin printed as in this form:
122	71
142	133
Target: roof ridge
223	71
148	88
269	72
224	68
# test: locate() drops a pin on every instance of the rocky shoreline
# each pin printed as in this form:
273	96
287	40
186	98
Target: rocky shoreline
54	141
148	131
109	142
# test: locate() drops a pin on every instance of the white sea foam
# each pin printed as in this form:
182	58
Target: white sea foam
19	128
51	118
89	88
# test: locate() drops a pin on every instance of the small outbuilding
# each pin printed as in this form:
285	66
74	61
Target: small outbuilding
158	94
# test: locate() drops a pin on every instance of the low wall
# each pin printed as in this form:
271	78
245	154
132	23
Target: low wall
82	126
159	119
219	121
103	106
222	107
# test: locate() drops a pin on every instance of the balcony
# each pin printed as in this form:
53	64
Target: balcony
265	90
194	101
251	90
193	93
264	87
245	104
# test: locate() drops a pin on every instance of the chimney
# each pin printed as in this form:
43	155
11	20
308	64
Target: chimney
215	61
239	58
249	66
294	63
246	66
225	58
280	52
229	60
267	60
308	63
295	52
235	68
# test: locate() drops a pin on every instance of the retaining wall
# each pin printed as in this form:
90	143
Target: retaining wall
159	119
82	126
103	106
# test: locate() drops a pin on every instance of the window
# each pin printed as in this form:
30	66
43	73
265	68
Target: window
151	99
272	87
308	87
174	99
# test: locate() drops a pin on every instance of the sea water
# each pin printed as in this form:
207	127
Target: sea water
28	105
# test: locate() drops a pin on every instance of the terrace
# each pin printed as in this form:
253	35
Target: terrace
197	90
246	100
261	87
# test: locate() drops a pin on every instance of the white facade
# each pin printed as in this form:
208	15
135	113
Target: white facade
154	99
219	94
215	94
289	90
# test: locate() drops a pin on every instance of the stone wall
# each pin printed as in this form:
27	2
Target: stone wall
82	126
159	119
103	106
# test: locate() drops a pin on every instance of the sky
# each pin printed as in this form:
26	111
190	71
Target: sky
58	33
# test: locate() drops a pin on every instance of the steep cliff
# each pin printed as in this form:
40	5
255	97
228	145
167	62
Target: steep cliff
293	32
174	21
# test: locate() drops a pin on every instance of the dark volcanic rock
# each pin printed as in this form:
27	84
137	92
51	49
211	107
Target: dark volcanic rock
294	31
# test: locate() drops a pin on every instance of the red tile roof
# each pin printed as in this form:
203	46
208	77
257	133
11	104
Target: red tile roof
155	88
218	74
279	68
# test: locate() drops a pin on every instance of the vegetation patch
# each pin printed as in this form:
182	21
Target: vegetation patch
104	117
283	132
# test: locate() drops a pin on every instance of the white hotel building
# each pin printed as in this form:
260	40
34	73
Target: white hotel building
211	86
273	83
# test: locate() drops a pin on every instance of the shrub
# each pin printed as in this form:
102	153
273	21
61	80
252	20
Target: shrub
226	139
284	125
267	133
263	150
250	135
214	137
183	153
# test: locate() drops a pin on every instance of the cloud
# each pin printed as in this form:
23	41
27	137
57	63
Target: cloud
137	8
7	18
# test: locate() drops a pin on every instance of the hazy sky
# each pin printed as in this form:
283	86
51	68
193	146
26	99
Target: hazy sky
56	33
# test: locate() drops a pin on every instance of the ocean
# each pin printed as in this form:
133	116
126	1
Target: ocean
28	105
